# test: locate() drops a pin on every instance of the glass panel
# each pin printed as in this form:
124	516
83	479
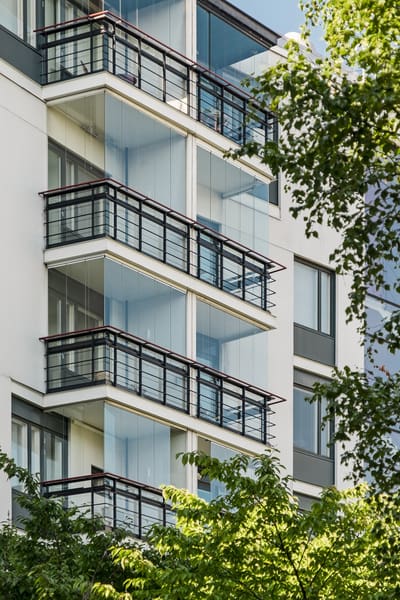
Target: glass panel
58	11
11	16
144	307
306	427
378	312
141	449
305	295
238	57
326	450
95	292
145	154
35	450
326	303
19	449
53	455
76	297
231	345
231	201
55	180
212	489
163	19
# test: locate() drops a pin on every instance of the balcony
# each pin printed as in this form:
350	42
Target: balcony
106	208
103	42
106	355
120	502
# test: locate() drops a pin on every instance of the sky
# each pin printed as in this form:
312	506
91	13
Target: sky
281	16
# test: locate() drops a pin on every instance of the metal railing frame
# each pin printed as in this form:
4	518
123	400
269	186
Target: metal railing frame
204	95
227	265
107	355
119	495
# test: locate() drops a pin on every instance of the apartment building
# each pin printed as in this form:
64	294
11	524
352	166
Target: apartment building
157	296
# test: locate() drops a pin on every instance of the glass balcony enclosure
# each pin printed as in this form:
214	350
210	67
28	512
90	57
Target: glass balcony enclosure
102	42
231	201
117	461
105	208
238	57
112	138
99	292
99	136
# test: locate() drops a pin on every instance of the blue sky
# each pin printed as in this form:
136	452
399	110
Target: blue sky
281	15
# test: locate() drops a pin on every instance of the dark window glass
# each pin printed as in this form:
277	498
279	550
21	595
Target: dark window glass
238	57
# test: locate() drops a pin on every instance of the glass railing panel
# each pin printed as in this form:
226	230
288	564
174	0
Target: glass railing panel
127	370
176	243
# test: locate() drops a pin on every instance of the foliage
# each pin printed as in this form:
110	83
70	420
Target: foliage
255	544
339	150
61	552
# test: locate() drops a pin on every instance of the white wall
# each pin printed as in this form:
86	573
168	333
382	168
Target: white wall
5	446
85	449
23	170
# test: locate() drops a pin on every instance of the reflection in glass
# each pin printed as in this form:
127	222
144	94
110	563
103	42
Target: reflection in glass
19	438
326	302
162	19
238	57
310	433
19	17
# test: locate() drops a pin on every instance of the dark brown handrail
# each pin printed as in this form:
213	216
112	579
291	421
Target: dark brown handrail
272	398
274	265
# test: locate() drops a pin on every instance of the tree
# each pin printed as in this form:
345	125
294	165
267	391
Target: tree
254	543
339	149
61	552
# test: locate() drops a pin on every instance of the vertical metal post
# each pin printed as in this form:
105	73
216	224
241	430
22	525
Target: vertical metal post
114	495
140	512
164	78
264	422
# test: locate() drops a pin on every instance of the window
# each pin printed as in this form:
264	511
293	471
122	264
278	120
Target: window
314	298
39	441
313	456
19	17
314	313
308	431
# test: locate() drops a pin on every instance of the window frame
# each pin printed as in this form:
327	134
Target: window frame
332	298
304	381
47	424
